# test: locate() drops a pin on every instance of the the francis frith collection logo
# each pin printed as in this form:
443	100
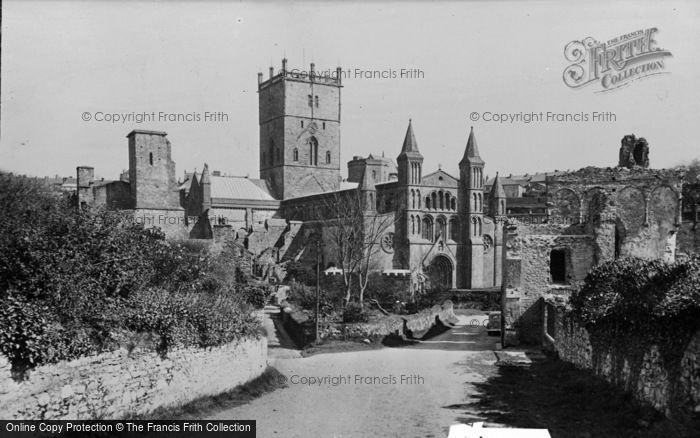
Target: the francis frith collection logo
616	62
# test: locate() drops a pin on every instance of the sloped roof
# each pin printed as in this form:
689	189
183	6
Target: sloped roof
237	187
525	179
439	178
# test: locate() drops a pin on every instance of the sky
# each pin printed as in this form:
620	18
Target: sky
63	59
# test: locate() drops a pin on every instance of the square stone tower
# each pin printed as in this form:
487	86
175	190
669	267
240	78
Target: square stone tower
299	117
152	171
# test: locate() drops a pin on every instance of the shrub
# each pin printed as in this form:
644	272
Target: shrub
191	318
305	297
632	295
353	312
71	280
256	294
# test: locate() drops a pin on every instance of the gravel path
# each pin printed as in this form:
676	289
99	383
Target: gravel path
402	392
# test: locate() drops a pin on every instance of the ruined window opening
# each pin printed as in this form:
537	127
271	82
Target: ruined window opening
557	265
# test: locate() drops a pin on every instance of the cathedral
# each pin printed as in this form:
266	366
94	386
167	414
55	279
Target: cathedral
441	226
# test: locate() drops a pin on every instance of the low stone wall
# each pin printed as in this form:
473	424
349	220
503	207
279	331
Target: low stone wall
115	385
669	381
406	326
484	299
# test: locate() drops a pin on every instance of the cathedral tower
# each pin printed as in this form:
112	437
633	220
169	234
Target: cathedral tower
299	117
410	173
470	198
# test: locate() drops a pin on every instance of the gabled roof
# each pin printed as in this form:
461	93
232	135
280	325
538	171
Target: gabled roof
237	187
440	178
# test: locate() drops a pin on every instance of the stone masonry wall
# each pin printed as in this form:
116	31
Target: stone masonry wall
636	366
115	385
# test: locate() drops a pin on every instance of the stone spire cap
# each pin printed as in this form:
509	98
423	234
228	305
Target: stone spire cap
205	175
471	153
410	145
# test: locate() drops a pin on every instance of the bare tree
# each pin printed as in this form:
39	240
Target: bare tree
353	230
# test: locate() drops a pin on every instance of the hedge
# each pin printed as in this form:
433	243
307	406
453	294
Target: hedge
76	282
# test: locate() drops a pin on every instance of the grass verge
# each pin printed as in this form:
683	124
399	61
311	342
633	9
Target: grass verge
268	381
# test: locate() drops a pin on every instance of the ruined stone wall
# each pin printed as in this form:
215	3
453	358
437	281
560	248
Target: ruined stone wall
528	277
642	207
635	365
116	385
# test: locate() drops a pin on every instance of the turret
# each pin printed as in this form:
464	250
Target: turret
470	199
497	200
205	182
368	192
410	160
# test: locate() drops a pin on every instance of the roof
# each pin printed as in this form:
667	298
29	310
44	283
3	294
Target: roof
523	180
471	152
498	188
237	187
439	178
409	143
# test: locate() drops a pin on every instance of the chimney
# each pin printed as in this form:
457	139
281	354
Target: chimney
284	66
313	71
259	78
216	173
338	74
272	72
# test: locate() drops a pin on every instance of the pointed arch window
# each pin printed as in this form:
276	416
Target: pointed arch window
313	151
453	204
427	202
328	157
413	199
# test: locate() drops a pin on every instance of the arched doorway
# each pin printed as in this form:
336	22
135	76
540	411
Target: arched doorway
440	272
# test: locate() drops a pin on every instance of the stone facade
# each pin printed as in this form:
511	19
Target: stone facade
116	385
438	223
